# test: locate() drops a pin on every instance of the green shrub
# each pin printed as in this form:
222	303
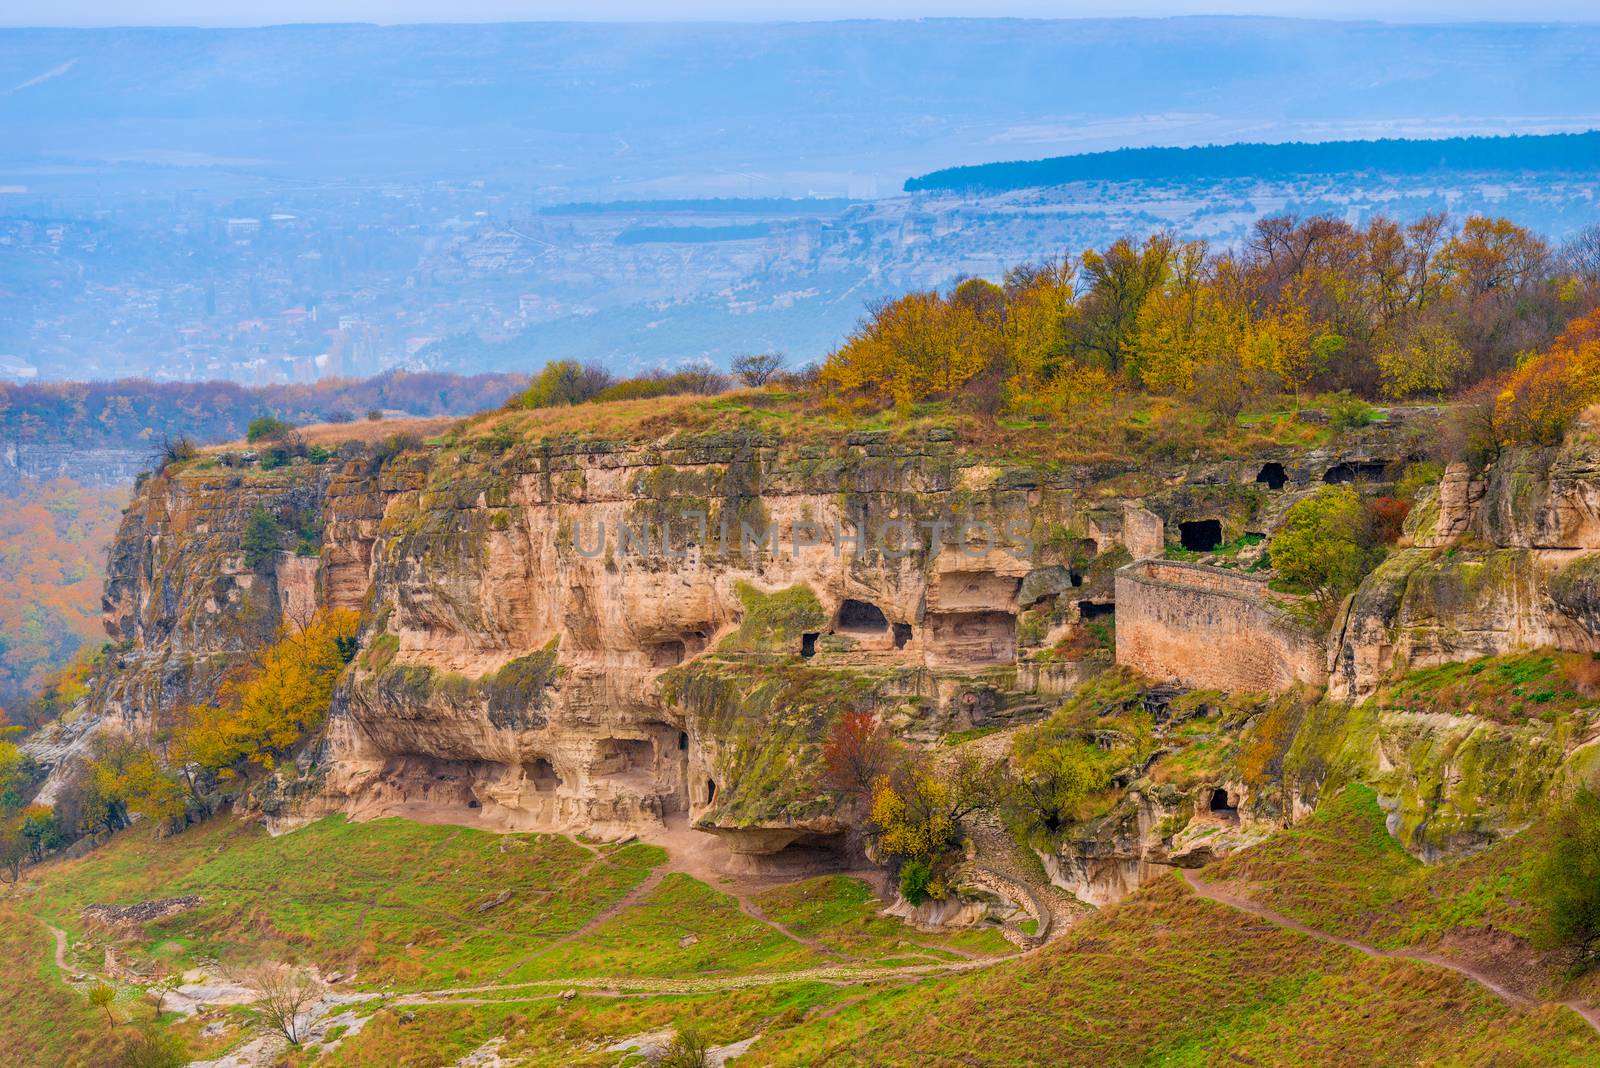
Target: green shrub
915	878
1571	881
266	428
1350	413
262	532
1325	546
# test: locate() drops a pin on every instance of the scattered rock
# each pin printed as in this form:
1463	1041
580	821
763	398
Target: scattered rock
408	1017
568	994
139	914
495	902
688	940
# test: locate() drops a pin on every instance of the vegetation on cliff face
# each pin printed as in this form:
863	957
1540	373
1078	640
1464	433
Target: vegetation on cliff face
1325	546
259	714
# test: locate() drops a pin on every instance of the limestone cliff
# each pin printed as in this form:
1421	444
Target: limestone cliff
597	636
1499	559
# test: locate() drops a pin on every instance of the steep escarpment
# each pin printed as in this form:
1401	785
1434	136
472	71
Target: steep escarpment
605	635
1499	559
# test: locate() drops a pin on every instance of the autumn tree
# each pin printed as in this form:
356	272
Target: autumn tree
128	775
910	349
286	996
1050	778
102	996
565	382
919	812
265	708
1429	361
858	752
1117	282
1544	396
13	848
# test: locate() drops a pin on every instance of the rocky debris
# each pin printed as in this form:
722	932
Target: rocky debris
137	915
494	902
688	940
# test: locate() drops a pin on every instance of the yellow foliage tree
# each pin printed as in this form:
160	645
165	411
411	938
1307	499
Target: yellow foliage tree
282	695
129	775
1189	320
912	348
1285	342
1428	363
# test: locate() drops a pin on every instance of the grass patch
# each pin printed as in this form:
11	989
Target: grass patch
1168	978
395	900
843	914
1507	689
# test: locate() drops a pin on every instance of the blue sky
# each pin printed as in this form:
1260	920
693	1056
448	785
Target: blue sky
237	13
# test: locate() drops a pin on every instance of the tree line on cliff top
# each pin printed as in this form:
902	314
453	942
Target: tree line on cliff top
1390	310
1481	308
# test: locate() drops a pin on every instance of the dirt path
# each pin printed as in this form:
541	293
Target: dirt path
617	986
610	912
1211	892
61	947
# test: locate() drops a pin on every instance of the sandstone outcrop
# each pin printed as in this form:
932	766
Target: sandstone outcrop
1498	560
598	636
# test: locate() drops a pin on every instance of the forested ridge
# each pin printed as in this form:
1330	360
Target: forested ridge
133	412
1395	156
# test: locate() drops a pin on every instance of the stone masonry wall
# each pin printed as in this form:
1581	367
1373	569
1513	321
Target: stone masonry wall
1210	628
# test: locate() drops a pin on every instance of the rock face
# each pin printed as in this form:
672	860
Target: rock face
596	636
20	460
1498	561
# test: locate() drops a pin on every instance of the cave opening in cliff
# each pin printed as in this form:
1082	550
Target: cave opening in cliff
1272	475
902	635
711	790
1220	804
808	645
1088	610
1355	471
667	654
683	741
542	775
1200	535
863	617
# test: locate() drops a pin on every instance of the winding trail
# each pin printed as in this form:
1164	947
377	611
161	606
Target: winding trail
1212	892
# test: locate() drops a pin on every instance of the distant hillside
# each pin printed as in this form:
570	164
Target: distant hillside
1394	156
136	413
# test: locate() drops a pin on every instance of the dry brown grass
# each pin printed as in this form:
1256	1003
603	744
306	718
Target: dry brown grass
365	431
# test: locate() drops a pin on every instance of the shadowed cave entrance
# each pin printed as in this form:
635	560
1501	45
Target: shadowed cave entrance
1221	805
862	617
1200	535
1272	475
541	775
1358	471
1088	610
